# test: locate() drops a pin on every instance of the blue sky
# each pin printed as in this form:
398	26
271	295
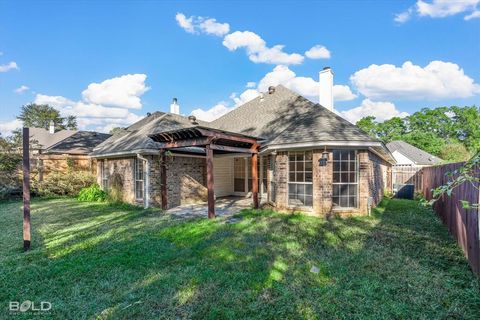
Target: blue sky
110	63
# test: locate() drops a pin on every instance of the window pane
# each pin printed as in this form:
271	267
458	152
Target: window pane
344	166
308	166
291	166
308	189
336	201
292	188
239	185
300	166
353	177
344	177
291	177
308	177
352	165
336	166
300	156
291	156
300	177
344	202
336	177
300	189
336	155
308	155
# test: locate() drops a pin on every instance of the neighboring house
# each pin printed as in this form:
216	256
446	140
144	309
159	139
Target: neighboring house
279	148
406	154
57	151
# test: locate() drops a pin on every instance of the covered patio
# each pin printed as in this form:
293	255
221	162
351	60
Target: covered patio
212	142
224	207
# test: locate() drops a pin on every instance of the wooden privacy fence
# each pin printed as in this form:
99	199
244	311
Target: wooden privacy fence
463	224
408	174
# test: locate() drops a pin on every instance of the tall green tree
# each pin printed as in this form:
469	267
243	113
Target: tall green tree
439	131
40	115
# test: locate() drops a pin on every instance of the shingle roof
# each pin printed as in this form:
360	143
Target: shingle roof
283	117
136	137
43	139
415	154
81	142
286	117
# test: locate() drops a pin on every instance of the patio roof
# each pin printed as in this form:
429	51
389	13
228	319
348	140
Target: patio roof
213	140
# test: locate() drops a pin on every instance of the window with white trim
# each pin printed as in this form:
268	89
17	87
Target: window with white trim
345	179
104	174
139	179
300	177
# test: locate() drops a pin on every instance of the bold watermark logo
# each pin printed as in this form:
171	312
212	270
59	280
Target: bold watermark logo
30	306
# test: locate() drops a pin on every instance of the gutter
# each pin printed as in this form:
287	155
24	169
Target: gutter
146	202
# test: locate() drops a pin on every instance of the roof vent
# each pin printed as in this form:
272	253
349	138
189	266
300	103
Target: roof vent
262	96
148	114
174	107
271	90
193	119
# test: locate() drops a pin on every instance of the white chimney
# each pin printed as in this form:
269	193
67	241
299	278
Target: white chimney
174	107
51	128
326	88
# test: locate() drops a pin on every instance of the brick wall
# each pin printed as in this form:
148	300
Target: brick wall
281	177
374	178
124	168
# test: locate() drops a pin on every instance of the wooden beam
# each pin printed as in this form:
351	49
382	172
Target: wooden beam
211	195
163	180
232	149
26	189
255	180
221	135
186	143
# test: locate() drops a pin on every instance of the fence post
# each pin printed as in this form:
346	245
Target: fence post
26	189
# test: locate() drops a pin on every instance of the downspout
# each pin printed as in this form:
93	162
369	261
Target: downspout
147	181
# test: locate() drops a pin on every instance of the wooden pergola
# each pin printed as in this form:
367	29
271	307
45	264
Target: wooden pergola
214	142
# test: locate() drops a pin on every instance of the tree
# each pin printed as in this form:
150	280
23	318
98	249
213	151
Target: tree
454	152
40	115
437	131
116	130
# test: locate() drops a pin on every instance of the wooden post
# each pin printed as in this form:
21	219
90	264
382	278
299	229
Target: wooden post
255	180
211	195
26	190
163	180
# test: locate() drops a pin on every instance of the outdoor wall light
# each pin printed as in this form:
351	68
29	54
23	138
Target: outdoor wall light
323	160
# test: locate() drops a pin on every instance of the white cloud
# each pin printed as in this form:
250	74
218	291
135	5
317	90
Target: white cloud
245	97
343	93
104	105
251	84
473	15
6	128
441	9
211	26
437	80
9	66
444	8
21	89
380	110
122	92
213	113
205	25
318	52
257	49
185	23
404	16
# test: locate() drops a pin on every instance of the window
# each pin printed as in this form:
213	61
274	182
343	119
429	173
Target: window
239	175
300	189
264	174
345	178
104	173
139	179
272	192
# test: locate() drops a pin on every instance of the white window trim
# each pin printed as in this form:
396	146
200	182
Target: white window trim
135	165
342	183
294	182
104	174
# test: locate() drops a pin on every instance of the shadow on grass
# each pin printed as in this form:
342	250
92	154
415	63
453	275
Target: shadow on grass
104	261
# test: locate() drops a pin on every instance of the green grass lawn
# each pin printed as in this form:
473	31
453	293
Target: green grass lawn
109	262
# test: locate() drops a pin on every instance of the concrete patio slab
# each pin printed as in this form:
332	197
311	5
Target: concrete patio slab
226	206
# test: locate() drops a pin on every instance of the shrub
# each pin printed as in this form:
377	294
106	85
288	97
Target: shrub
92	194
454	152
64	183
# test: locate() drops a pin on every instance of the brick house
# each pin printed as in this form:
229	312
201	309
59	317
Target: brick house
279	148
57	151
